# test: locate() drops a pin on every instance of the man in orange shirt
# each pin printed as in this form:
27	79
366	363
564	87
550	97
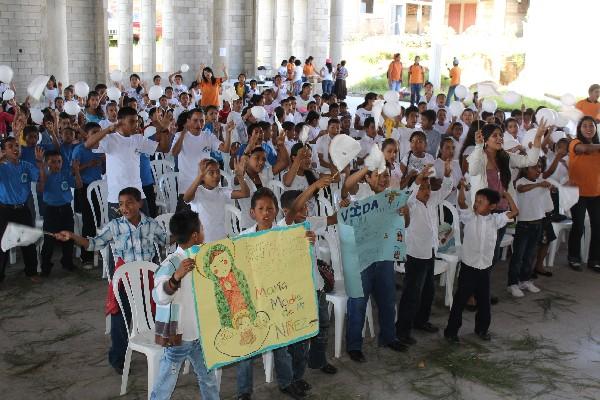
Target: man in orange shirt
591	106
394	74
416	77
454	81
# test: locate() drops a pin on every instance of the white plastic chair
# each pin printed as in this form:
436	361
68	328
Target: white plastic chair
99	188
141	331
233	216
163	220
338	297
451	257
560	229
168	187
39	224
505	243
160	167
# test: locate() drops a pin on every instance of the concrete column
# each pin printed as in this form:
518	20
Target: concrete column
148	36
283	26
221	33
57	54
125	23
419	19
300	14
168	36
336	29
497	30
436	25
101	38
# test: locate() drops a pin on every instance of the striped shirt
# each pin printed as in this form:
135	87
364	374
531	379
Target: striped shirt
130	242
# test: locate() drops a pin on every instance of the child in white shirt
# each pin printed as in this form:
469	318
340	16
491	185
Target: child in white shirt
415	160
414	308
207	197
533	197
480	233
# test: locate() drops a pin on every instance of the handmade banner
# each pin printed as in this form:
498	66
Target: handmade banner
254	293
370	230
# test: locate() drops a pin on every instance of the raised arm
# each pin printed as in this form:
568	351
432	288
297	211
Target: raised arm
176	149
353	180
224	147
283	158
514	211
462	201
240	170
93	140
190	193
306	195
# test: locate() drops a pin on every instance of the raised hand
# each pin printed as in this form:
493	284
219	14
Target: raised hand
185	267
39	154
239	166
324	181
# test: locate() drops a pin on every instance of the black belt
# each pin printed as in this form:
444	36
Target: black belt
13	206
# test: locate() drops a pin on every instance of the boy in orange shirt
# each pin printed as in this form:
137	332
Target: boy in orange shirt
416	77
454	81
590	106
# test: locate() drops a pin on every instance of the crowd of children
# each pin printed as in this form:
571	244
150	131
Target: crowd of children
226	152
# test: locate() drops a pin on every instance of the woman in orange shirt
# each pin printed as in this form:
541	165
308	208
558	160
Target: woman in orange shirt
308	70
584	171
290	68
210	87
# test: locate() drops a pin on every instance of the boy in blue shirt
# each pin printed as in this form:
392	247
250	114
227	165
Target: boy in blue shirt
15	188
56	184
89	165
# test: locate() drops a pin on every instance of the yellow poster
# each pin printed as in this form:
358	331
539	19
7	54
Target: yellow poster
254	293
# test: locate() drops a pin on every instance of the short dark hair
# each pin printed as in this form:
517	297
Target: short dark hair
429	114
183	224
418	133
369	121
287	125
6	140
333	121
264	193
90	125
492	196
30	129
51	153
516	113
131	191
210	107
100	86
288	197
126	112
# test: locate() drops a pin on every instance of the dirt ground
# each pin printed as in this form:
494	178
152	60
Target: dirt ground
545	346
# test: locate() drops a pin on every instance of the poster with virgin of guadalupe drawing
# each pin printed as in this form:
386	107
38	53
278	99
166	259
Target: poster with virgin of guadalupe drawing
254	293
371	230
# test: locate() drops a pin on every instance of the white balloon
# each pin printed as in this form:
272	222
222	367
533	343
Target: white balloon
561	120
259	113
392	109
489	105
184	68
82	89
6	73
72	108
549	116
113	93
324	108
391	96
456	108
572	113
37	115
8	95
116	75
36	87
568	99
461	91
155	92
511	97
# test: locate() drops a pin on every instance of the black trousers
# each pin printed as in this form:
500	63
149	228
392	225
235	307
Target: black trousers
471	281
88	228
151	200
592	206
57	218
20	215
414	308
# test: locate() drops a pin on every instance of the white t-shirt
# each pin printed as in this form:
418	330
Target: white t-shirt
366	144
298	70
104	123
364	191
534	203
363	114
50	94
302	104
239	134
282	71
266	175
327	76
561	173
178	89
402	136
209	206
193	150
480	233
123	161
455	175
322	147
416	163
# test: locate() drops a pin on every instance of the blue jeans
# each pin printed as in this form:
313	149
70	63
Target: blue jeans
395	85
415	93
327	86
451	94
317	356
527	237
283	371
170	364
377	279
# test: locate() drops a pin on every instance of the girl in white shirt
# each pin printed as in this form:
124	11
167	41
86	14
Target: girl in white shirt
415	160
533	197
364	111
447	150
389	148
206	196
51	91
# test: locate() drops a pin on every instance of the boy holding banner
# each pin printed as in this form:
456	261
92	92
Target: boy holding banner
176	322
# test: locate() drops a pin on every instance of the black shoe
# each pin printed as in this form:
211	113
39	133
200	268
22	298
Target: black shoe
303	385
245	396
594	266
453	339
329	369
542	273
397	345
293	391
494	300
484	336
407	340
427	327
357	356
575	266
558	217
119	370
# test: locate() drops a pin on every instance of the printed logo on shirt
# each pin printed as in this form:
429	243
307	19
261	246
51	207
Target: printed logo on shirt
64	185
24	177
